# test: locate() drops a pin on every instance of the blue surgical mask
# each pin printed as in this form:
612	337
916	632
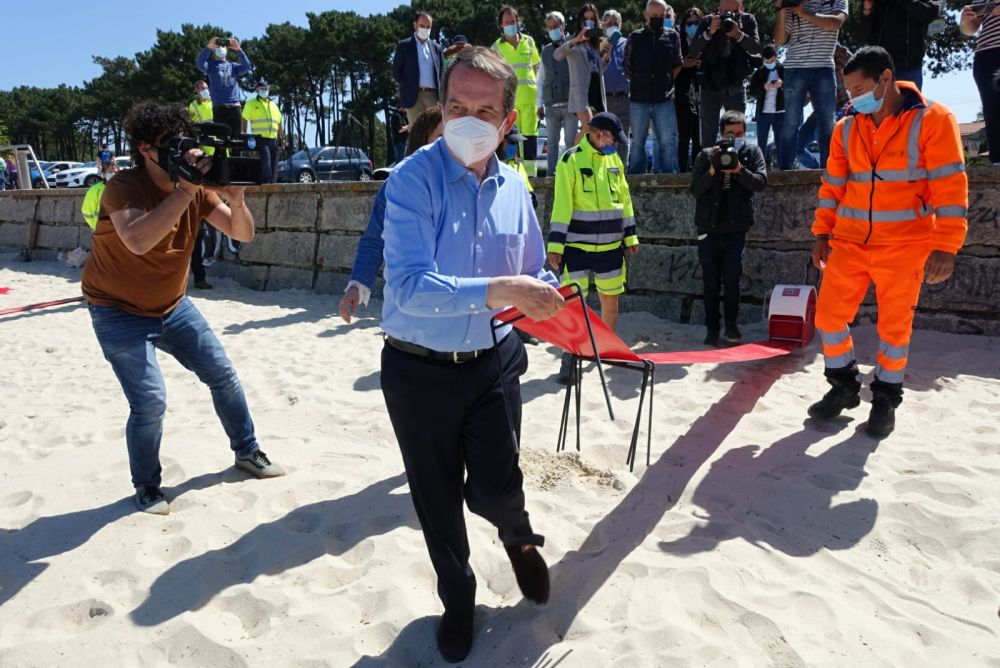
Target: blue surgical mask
510	31
263	93
556	35
691	29
738	142
510	151
771	65
668	23
868	103
588	24
204	94
220	52
608	150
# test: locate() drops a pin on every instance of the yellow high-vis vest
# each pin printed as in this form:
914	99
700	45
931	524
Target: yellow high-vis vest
524	59
264	117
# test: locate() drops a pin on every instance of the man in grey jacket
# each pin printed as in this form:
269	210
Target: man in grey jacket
553	93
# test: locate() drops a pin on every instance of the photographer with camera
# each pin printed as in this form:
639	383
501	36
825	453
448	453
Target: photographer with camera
982	19
724	181
900	27
810	28
724	43
223	79
765	87
134	284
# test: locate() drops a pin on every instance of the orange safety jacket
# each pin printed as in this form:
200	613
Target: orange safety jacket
901	182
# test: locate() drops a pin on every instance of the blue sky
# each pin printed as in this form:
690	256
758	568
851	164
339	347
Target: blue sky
50	42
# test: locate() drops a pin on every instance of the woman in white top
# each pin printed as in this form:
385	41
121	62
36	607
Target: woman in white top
984	18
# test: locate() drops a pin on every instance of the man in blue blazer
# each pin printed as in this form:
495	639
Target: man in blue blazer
416	67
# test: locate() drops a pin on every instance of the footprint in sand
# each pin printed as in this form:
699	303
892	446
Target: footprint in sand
74	617
189	648
16	499
254	614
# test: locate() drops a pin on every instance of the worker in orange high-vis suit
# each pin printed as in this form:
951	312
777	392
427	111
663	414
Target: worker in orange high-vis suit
892	211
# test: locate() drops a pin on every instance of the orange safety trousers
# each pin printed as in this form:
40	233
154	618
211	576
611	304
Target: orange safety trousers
897	271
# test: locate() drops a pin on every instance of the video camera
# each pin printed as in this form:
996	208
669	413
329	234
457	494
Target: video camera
729	21
726	157
228	168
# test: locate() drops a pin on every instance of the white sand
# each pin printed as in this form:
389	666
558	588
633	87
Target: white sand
752	540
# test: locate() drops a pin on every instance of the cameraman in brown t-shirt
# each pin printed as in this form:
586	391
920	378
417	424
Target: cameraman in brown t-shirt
135	282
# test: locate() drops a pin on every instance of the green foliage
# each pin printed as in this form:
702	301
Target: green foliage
339	63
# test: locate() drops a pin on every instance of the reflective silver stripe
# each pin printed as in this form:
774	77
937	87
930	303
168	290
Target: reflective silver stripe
558	227
889	175
576	275
893	352
895	216
833	338
845	133
521	66
608	238
888	376
834	180
945	170
951	212
606	214
525	82
913	140
840	361
628	222
609	274
827	204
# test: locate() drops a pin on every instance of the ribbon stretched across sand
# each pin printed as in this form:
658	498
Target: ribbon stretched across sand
4	291
568	330
32	307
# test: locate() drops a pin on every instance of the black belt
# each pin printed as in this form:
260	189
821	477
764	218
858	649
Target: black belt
624	92
436	355
432	90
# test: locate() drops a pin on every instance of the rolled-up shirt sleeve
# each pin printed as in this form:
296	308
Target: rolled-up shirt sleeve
411	271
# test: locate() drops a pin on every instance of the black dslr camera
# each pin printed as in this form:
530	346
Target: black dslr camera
729	21
726	157
790	4
235	161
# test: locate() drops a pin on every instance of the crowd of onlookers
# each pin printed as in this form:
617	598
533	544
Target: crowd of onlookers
670	80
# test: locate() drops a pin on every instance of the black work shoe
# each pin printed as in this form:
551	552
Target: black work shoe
567	370
885	398
732	335
844	393
531	572
712	338
454	636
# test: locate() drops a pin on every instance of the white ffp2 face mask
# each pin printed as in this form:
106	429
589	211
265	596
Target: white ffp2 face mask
471	139
423	33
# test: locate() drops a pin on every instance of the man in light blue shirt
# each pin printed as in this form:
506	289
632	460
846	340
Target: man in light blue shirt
461	243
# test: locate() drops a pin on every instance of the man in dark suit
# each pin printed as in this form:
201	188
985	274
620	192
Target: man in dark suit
416	67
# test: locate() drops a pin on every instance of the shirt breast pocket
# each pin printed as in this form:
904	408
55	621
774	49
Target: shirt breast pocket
615	184
587	180
510	249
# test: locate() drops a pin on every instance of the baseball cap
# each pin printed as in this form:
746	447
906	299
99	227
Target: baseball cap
609	122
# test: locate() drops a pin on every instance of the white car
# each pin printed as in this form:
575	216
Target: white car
86	175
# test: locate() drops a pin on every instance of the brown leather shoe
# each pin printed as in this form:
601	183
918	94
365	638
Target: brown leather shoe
531	572
454	636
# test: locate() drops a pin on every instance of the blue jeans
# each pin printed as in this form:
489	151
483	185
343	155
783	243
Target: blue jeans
821	85
916	75
807	134
765	123
268	159
665	132
130	341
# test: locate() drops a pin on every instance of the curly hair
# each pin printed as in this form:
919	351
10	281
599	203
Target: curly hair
149	121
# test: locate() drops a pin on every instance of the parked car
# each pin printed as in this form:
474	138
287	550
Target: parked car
86	174
326	163
49	171
382	173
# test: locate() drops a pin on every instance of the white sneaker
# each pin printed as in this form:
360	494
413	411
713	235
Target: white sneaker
257	464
